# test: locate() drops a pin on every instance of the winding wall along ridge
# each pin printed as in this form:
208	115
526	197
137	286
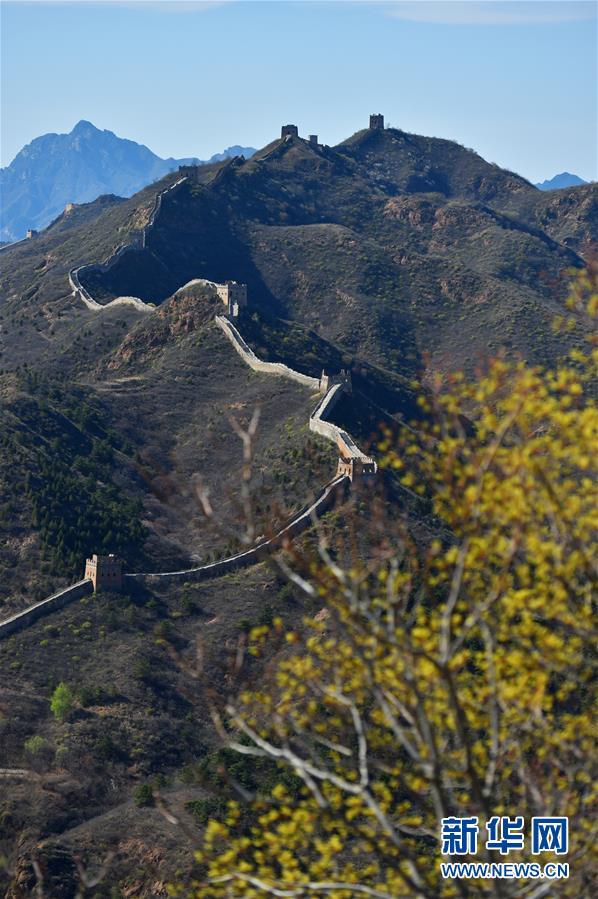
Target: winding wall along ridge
317	422
257	364
343	439
83	294
300	522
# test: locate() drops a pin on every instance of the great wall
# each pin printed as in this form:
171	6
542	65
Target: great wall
140	242
106	571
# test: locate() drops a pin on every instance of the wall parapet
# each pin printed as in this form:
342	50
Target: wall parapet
352	460
57	601
102	267
271	368
300	522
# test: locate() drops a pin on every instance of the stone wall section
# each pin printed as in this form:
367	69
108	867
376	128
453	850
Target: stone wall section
45	607
74	275
347	447
14	243
317	420
269	368
300	522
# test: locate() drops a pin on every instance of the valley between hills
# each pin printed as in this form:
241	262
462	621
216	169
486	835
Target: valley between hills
396	257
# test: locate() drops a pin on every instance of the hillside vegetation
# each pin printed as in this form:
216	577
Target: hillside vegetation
395	256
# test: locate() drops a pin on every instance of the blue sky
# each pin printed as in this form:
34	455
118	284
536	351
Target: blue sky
515	80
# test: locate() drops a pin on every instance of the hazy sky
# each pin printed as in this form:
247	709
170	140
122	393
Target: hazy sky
517	81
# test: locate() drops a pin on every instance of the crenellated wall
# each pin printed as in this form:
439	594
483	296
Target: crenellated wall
83	294
317	423
45	607
270	368
300	522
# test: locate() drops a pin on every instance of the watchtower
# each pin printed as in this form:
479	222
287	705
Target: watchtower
313	139
106	572
289	131
357	468
233	295
189	171
342	377
31	232
377	122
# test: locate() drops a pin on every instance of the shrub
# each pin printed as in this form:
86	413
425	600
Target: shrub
35	745
143	795
62	701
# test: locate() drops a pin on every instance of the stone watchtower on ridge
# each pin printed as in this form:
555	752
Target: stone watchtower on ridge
106	572
233	295
289	131
377	122
190	171
343	377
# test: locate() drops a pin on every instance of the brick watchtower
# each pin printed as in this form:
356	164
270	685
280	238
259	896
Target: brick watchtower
106	572
343	377
377	122
289	131
233	295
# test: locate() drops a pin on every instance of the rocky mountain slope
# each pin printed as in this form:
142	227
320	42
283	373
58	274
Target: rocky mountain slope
392	255
56	169
391	244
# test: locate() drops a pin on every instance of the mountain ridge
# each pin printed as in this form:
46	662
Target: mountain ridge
56	169
396	257
564	179
384	243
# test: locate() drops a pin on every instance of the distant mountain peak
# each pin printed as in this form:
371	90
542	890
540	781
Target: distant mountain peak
565	179
84	128
56	169
235	150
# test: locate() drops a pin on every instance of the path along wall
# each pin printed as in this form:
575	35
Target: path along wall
45	607
300	522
